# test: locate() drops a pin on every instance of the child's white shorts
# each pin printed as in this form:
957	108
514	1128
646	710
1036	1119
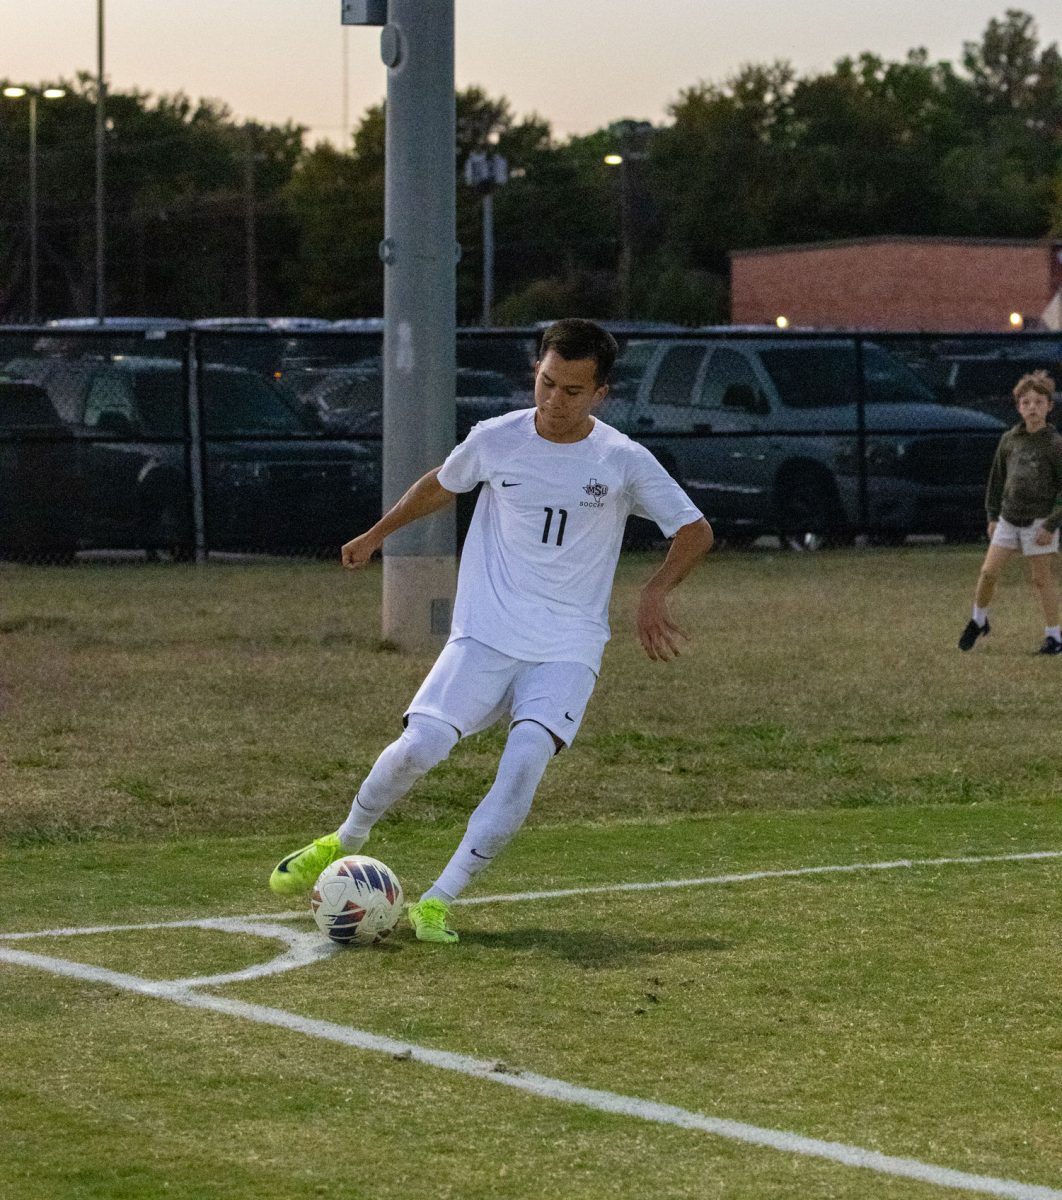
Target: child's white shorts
1023	537
471	686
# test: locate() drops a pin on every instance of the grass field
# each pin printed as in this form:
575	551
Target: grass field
810	1018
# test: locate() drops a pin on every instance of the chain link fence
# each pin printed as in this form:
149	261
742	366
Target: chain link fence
169	442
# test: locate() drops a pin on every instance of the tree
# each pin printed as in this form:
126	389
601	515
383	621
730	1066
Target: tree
336	203
175	203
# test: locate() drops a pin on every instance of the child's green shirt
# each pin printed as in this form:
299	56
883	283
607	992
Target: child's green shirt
1026	477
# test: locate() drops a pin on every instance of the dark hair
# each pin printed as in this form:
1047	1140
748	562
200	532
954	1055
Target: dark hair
574	337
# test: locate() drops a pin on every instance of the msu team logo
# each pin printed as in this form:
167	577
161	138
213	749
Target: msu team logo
595	489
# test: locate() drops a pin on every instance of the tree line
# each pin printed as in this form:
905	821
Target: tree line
207	216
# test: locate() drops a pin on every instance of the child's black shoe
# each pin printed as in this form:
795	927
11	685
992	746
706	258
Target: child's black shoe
1051	645
973	631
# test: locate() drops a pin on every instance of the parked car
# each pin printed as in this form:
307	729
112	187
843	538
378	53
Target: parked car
37	468
271	480
349	398
764	433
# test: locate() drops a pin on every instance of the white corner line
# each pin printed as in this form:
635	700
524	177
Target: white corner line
542	1085
561	893
753	876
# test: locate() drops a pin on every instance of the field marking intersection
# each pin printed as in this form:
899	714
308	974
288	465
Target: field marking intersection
303	949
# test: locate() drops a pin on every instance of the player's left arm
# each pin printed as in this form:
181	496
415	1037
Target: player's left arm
657	632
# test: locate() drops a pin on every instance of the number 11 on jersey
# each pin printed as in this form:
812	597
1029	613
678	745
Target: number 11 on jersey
562	514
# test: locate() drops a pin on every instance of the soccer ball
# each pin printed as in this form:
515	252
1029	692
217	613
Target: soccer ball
356	901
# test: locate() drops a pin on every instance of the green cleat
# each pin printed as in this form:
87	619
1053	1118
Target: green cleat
428	918
298	871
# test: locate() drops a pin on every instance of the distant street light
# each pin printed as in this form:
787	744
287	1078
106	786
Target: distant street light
33	94
486	171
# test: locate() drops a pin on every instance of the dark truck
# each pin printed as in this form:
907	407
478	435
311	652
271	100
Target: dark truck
765	435
114	470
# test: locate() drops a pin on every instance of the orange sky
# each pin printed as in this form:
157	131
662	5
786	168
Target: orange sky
579	63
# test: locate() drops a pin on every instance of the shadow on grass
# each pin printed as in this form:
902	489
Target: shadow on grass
590	950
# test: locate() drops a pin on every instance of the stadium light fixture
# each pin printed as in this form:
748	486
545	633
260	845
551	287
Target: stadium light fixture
614	160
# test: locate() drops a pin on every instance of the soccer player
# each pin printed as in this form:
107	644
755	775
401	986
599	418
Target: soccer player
1024	512
531	614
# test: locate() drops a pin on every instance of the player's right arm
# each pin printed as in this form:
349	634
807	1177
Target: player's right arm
425	497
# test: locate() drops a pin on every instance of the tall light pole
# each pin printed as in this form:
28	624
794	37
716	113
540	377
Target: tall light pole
32	94
101	100
250	156
419	253
623	269
486	171
633	138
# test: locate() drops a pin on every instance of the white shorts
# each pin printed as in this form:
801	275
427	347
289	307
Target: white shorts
1023	537
471	686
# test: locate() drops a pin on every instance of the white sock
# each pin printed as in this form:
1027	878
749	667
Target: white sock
980	615
1052	631
502	810
424	743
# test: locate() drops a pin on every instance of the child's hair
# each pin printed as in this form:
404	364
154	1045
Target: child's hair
1035	381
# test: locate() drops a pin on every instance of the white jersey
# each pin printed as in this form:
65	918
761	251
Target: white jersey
538	563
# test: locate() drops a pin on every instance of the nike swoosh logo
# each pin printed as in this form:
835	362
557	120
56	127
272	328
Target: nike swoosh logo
476	854
568	716
504	484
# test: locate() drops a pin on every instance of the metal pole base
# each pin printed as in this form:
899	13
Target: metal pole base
417	600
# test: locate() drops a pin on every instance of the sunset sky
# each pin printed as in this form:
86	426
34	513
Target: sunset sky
578	63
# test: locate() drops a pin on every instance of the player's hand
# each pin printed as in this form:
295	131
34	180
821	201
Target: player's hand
659	635
358	551
1043	537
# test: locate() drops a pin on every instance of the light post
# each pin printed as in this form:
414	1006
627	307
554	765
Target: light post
32	95
250	157
419	252
623	269
101	104
486	171
632	138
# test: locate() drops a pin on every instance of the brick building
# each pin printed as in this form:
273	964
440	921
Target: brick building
932	283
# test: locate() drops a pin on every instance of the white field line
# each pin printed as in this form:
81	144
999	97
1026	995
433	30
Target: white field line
541	1085
753	876
560	893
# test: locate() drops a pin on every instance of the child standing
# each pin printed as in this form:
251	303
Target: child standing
1023	509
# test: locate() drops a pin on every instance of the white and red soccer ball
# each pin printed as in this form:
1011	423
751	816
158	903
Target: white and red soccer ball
357	901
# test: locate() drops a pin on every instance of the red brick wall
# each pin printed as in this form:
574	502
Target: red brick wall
895	284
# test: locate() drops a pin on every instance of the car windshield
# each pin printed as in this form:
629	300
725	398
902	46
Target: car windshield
25	406
629	369
160	402
825	376
242	403
812	376
978	379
